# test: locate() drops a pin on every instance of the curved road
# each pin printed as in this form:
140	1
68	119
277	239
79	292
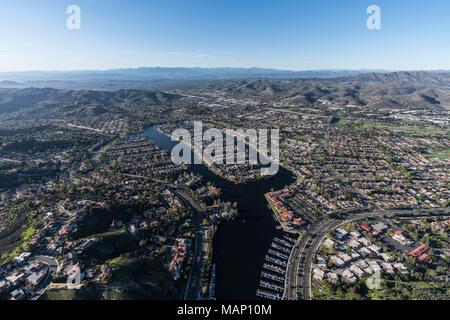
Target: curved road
52	269
298	276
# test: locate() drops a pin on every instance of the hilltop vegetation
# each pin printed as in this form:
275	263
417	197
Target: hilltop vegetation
393	90
81	101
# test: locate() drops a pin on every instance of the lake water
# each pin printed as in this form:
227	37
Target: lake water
240	245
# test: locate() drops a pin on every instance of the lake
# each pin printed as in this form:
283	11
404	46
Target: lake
239	246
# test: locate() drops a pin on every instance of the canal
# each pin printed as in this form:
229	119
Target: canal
239	246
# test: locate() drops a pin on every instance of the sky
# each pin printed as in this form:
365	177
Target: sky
281	34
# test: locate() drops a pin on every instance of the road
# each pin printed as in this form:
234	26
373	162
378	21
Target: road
289	287
10	160
298	276
143	177
301	272
297	112
52	270
62	210
311	249
193	286
85	128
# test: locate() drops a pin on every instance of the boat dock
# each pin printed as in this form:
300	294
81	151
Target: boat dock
212	286
268	295
278	254
276	261
272	267
280	247
284	242
272	286
272	276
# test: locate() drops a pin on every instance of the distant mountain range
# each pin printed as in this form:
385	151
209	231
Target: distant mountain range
379	90
420	77
94	102
163	78
157	73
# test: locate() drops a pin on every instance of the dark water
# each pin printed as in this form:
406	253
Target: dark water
239	246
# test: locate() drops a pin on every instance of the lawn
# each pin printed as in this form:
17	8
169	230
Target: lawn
442	154
59	294
27	234
273	208
396	128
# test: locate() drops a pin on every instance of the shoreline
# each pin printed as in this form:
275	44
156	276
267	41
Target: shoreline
210	166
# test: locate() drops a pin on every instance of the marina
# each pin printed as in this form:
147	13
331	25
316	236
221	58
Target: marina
212	285
273	274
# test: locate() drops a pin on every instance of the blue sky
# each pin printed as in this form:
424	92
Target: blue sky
283	34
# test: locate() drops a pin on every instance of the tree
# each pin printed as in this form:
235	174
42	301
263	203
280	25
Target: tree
143	243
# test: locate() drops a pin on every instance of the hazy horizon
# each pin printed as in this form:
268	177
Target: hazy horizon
381	70
212	68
